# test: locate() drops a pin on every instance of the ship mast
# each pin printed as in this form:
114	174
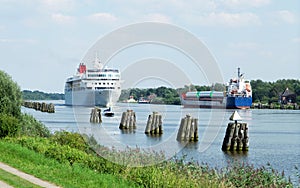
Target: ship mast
97	63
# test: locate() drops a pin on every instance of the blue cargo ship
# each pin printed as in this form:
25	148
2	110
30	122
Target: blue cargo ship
238	95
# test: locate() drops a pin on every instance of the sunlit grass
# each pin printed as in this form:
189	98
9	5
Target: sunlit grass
61	174
15	181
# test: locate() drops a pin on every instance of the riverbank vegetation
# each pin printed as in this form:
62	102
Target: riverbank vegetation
75	155
263	92
74	160
39	95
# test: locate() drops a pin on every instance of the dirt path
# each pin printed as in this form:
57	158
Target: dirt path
4	185
25	176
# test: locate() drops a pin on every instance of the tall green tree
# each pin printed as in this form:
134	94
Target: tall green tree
10	96
10	106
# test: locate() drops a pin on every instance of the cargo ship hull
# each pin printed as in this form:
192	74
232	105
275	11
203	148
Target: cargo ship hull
227	102
238	102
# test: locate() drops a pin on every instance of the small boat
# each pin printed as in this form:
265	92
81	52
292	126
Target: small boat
108	112
142	100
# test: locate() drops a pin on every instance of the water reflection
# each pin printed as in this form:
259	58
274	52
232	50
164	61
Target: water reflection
235	154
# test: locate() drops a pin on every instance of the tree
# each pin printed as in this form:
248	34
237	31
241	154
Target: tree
10	106
11	96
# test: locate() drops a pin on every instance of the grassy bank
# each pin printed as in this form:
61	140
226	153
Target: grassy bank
15	181
82	168
53	171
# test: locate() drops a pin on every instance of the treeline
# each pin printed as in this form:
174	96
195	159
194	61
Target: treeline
262	92
164	95
269	92
38	95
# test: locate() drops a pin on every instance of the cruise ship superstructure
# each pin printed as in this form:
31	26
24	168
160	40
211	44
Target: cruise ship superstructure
94	86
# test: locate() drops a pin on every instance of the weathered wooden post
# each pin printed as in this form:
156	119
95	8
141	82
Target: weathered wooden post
236	135
154	124
96	115
188	130
128	120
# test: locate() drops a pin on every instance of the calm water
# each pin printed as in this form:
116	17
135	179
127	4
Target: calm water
274	134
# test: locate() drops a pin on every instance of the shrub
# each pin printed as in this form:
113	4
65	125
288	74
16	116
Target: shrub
73	140
9	125
31	127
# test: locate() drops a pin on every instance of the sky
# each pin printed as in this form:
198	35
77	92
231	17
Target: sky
43	41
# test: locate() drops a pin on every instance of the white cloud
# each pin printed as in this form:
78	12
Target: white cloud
229	19
296	40
157	17
2	28
244	45
58	5
62	19
245	3
102	17
286	16
25	41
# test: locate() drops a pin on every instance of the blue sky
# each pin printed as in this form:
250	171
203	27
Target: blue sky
43	41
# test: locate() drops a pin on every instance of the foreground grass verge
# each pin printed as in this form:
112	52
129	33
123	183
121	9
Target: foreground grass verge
68	150
51	170
15	181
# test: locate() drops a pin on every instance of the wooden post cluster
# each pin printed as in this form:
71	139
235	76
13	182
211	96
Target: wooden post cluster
154	124
188	130
96	115
43	107
128	120
236	137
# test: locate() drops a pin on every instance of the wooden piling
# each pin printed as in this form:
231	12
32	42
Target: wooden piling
236	137
154	124
43	107
96	115
188	130
128	120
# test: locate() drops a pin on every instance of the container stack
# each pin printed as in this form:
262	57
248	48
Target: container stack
188	130
154	124
128	120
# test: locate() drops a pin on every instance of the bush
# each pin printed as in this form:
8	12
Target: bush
31	127
9	125
74	140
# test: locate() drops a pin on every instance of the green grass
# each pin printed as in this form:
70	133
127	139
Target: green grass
68	166
51	170
15	181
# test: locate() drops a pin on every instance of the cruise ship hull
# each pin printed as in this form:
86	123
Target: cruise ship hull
105	97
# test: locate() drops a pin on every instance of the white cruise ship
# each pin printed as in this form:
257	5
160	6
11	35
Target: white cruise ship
97	86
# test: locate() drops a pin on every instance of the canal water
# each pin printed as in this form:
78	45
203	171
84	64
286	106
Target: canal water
274	135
